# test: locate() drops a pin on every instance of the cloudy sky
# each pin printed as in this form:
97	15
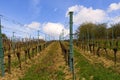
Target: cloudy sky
51	16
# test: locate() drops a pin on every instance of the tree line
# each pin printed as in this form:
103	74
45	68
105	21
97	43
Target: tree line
98	31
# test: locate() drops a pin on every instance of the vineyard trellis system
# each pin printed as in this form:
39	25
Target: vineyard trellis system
107	48
22	50
14	50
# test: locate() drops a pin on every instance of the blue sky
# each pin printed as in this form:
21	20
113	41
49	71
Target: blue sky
53	12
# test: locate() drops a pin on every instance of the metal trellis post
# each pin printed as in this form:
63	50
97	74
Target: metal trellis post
13	43
71	59
63	34
1	53
38	42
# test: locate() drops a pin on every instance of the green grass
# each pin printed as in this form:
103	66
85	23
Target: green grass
59	75
38	71
33	75
44	70
96	70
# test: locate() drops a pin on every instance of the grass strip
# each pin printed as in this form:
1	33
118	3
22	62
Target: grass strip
92	71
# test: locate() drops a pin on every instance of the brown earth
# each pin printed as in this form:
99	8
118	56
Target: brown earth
58	63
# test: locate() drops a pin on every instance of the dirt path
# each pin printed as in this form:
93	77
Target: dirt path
52	66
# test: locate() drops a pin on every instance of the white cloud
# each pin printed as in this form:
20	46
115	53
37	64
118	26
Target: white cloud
34	25
114	6
41	37
54	29
117	19
83	14
114	20
75	9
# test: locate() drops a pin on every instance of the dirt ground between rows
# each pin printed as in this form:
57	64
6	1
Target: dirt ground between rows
58	59
94	59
